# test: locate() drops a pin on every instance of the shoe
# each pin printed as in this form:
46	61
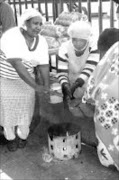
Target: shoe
12	145
21	143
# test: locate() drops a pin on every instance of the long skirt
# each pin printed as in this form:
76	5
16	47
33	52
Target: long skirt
16	102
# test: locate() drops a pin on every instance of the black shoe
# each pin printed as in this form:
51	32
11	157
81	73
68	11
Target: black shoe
21	143
12	145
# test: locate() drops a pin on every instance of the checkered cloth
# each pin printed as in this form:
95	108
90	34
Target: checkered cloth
16	102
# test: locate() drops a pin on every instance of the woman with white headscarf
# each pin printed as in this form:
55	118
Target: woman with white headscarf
24	48
77	59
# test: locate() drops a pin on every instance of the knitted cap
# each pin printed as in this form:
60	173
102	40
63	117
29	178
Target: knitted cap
80	29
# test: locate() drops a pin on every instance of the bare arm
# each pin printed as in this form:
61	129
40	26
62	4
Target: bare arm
25	75
44	70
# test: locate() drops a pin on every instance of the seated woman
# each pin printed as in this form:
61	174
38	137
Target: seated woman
103	90
24	48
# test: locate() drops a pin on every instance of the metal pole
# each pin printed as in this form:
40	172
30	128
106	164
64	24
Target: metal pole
111	13
60	6
100	16
79	5
15	11
46	10
89	9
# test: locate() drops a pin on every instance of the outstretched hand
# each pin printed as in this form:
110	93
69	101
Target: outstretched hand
66	91
78	83
43	91
66	94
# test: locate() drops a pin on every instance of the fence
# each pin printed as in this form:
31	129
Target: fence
52	8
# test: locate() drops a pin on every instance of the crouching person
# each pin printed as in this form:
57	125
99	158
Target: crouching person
77	59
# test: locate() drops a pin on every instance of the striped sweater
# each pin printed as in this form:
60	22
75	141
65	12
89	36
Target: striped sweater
71	66
14	47
7	70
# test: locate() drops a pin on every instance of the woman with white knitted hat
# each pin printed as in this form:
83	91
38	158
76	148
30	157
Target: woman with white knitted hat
77	59
24	48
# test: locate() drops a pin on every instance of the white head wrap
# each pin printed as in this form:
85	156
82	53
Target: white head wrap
80	29
28	14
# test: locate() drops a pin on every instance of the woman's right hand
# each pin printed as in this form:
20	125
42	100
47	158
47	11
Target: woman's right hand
40	89
43	93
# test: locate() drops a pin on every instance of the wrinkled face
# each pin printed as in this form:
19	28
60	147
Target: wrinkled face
79	44
34	26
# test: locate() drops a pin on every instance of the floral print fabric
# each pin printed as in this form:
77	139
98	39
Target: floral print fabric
104	91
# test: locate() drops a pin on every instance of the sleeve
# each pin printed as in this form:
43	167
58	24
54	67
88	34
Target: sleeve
91	63
7	17
62	69
10	45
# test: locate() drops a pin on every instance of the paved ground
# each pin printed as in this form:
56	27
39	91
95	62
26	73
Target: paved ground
28	164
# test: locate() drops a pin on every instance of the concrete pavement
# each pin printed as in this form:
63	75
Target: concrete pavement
28	164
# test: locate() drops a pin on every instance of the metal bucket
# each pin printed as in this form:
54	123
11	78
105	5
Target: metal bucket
64	141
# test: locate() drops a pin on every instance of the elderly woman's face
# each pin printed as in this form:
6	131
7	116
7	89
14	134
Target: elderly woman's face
79	44
34	26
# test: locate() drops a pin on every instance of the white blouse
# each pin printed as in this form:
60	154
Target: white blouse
13	45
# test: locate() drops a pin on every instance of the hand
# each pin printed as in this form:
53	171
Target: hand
42	90
66	90
66	94
78	83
